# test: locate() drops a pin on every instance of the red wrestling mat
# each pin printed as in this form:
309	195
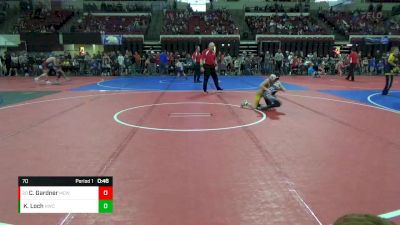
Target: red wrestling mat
310	161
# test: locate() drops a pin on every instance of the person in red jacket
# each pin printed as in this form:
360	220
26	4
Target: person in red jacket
353	58
209	67
196	56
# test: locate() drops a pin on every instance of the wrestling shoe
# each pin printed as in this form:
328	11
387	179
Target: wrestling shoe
244	103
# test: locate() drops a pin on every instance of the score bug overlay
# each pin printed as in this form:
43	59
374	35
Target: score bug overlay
65	194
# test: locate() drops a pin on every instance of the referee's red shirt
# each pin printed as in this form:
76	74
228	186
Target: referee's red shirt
197	57
353	58
209	57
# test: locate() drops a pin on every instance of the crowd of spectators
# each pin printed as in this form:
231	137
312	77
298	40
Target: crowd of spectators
189	22
296	25
112	24
25	5
338	64
43	20
4	7
275	8
116	7
361	22
148	63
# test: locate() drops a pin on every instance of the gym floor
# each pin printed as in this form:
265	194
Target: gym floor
182	157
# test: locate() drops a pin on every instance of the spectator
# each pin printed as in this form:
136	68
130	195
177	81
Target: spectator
278	61
8	63
371	65
106	65
196	57
228	63
14	64
163	62
237	63
121	63
137	62
340	66
179	69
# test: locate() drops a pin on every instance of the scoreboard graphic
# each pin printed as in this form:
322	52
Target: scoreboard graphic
65	194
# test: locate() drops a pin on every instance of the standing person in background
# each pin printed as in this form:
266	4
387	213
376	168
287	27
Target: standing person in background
1	65
278	62
392	69
365	65
157	62
228	63
371	65
290	61
7	62
171	62
378	58
179	69
353	59
23	63
221	63
163	62
138	63
236	64
268	61
340	65
106	65
121	63
152	63
359	64
128	64
208	67
14	64
196	56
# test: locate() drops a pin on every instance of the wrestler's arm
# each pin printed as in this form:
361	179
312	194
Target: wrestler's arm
264	85
391	60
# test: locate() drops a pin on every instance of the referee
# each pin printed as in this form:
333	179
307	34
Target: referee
208	66
197	60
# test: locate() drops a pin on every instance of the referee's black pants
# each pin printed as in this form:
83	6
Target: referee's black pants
352	67
196	76
210	71
389	82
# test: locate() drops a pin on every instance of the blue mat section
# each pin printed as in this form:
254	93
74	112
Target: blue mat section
153	83
370	97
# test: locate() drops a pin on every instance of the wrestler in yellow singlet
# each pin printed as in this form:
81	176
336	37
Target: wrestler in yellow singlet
267	83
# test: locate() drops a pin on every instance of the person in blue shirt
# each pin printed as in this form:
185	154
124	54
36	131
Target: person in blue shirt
371	65
163	62
312	70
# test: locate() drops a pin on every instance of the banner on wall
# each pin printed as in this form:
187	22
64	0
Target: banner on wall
377	40
9	40
111	39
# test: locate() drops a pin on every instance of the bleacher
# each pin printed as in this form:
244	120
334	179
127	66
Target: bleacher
361	22
284	24
116	7
275	8
186	22
42	20
3	11
112	24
